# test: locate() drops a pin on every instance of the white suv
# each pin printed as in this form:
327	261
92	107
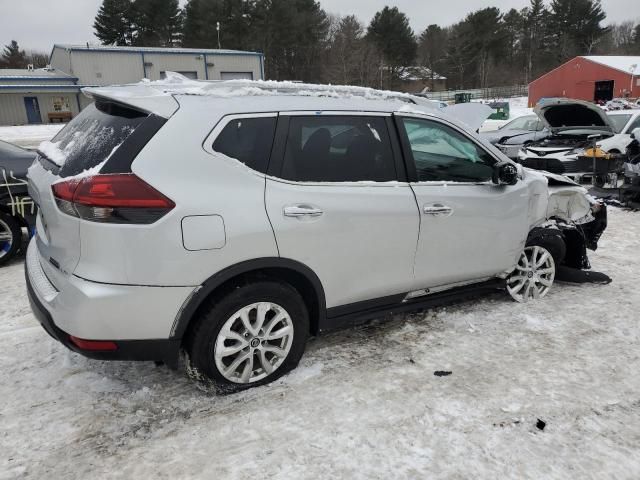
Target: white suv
229	221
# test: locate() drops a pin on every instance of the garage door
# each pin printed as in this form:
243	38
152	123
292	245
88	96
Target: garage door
236	75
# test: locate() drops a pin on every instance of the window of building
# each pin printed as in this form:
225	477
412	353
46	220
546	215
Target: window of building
248	140
189	74
440	153
61	104
236	75
338	149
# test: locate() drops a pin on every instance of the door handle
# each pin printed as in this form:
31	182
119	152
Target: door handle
302	211
437	209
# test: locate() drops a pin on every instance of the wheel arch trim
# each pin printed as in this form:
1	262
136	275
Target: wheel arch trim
200	294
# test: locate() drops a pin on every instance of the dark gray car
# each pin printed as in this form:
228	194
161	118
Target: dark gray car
17	210
511	136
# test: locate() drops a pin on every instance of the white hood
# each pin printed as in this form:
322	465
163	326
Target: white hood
560	114
472	115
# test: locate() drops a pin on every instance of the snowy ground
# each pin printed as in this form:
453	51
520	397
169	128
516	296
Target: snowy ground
364	403
30	136
518	107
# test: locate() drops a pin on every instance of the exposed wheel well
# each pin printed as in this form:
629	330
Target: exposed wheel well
313	299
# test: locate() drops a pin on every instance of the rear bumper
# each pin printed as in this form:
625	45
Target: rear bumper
43	298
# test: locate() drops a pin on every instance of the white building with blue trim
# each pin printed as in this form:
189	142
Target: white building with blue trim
53	94
38	96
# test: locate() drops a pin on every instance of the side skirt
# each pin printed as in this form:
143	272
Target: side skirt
357	313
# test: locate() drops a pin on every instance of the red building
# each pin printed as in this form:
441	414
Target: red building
591	78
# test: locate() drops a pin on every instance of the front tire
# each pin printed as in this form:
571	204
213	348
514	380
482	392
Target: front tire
10	237
250	336
533	276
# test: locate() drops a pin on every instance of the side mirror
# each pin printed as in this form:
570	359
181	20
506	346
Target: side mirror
505	173
635	133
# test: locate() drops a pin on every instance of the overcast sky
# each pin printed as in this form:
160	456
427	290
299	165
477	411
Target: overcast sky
38	24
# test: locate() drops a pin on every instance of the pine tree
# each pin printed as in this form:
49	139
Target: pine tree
535	19
635	45
456	57
293	34
13	57
157	23
432	48
390	32
236	19
113	23
576	27
485	41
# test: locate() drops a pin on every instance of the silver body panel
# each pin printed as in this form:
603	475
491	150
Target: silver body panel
363	243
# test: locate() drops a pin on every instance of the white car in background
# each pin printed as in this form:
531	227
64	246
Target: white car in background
624	122
573	126
618	104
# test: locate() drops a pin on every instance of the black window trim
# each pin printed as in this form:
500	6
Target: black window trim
408	155
276	163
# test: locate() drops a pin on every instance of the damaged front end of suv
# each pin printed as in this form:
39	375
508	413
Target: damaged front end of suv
574	222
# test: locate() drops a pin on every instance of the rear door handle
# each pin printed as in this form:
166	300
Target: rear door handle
437	209
302	211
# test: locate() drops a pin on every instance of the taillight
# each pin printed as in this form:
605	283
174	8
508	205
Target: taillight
113	198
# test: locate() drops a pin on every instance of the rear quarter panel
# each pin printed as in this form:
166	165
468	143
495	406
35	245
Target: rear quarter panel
175	163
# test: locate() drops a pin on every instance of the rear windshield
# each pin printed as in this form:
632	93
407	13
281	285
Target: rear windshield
91	137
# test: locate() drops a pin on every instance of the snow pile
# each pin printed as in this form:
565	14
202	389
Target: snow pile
30	136
53	151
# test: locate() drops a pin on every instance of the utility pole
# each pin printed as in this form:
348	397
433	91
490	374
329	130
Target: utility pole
218	30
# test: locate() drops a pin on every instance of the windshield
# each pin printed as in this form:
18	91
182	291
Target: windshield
530	123
619	121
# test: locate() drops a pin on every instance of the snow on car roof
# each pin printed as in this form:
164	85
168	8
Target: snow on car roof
149	95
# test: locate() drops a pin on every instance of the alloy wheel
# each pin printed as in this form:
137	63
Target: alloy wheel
253	342
533	276
6	238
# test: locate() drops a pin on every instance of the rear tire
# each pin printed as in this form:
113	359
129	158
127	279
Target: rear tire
250	336
10	237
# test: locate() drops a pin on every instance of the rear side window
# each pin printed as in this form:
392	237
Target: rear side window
338	149
248	140
91	137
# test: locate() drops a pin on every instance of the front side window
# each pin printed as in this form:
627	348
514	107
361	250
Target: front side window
440	153
248	140
529	122
338	149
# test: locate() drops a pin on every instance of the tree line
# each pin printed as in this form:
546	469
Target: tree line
301	41
12	56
